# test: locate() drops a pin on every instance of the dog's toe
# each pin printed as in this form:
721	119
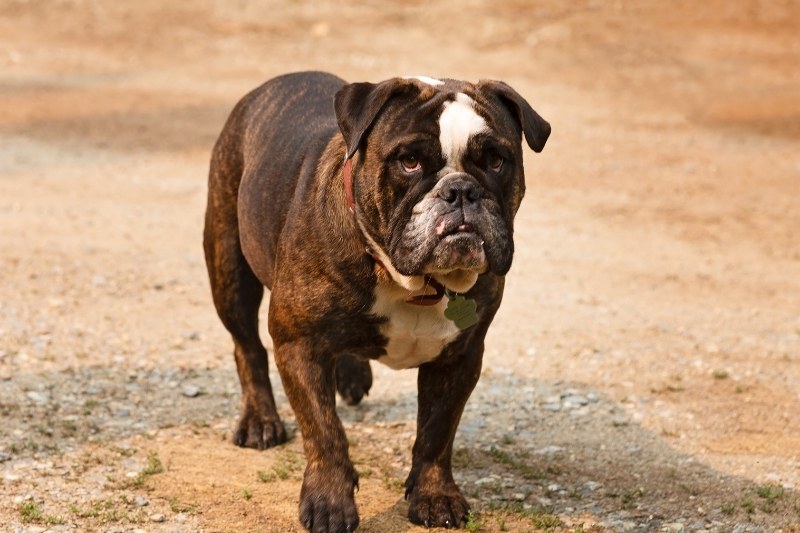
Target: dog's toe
259	432
438	510
327	504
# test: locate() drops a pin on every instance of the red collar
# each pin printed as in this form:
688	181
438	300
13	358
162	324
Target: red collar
348	186
419	299
428	299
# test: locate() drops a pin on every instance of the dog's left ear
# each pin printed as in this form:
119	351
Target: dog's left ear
536	129
357	105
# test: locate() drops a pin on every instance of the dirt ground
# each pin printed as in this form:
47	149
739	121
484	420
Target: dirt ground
643	373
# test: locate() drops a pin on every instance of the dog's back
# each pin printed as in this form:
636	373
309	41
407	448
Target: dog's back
273	137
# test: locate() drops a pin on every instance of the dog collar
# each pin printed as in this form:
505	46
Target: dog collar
428	299
348	186
418	299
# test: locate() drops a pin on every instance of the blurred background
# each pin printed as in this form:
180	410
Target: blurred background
657	275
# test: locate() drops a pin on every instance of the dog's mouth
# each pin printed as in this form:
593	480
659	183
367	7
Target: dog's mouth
452	241
459	248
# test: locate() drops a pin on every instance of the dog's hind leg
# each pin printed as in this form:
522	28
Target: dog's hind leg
353	378
237	294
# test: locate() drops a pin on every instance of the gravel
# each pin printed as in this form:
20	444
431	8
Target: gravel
526	450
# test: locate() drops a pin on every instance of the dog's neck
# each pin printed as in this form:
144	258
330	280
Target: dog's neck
382	263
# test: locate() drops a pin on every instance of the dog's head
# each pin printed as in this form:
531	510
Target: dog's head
438	173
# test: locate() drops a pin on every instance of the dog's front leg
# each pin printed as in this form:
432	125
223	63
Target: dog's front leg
444	387
327	502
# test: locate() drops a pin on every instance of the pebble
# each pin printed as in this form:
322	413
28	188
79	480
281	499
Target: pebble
190	391
547	450
141	501
592	486
38	397
620	420
552	407
575	400
158	518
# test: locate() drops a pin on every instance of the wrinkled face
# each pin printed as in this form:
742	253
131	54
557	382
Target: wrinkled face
440	178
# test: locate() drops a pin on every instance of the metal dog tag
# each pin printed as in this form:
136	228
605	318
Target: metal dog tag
462	312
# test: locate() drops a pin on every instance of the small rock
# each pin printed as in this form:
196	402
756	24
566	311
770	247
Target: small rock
552	407
141	501
575	400
547	450
675	527
519	496
38	397
4	457
190	391
158	518
592	486
485	481
620	420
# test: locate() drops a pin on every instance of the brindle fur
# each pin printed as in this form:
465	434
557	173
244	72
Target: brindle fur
277	217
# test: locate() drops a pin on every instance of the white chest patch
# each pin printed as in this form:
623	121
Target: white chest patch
457	123
416	334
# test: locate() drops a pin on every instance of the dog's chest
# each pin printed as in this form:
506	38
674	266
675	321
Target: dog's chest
416	334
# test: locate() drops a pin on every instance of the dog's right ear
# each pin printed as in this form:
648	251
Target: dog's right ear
357	105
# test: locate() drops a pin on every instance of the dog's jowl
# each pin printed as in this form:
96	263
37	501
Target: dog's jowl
380	217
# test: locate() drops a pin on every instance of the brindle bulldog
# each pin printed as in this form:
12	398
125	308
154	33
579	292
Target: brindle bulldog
380	217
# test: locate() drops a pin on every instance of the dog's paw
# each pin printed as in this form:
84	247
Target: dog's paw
327	503
353	378
259	430
440	508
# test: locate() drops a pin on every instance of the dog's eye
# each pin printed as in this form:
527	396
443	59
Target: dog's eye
410	163
495	162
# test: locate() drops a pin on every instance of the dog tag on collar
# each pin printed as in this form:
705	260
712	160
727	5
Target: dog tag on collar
462	312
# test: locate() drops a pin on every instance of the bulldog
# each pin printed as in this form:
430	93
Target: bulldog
380	216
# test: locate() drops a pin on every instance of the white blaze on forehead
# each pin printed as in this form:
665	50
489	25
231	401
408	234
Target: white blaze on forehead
457	123
426	79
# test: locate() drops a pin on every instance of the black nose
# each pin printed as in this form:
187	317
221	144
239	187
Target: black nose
457	192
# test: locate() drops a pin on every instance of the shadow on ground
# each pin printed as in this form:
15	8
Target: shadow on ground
557	449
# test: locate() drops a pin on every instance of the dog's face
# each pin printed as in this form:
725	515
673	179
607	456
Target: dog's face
438	173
